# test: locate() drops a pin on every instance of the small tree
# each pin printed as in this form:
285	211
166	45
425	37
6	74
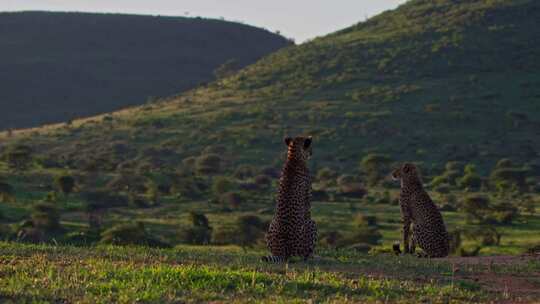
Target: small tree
19	157
7	193
250	229
200	232
471	179
475	206
208	164
375	166
65	183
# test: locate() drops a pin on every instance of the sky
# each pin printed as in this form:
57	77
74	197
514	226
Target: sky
298	19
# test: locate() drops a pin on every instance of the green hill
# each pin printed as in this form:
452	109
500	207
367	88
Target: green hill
61	66
438	81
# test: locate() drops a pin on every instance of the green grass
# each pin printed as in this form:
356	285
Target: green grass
39	273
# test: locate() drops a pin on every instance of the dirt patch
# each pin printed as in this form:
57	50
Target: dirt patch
492	260
512	285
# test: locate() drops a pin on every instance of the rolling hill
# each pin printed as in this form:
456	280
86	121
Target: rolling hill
60	66
428	82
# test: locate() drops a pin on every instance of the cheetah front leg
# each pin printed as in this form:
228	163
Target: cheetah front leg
309	239
407	220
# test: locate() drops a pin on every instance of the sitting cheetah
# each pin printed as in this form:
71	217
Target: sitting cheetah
292	232
417	208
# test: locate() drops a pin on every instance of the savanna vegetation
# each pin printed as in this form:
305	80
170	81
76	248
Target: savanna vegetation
190	179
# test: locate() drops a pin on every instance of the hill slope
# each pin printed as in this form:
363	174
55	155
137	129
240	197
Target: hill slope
438	81
60	66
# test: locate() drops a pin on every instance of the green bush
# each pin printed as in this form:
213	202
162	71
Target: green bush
7	192
326	174
208	164
222	185
131	234
200	232
376	167
65	183
45	216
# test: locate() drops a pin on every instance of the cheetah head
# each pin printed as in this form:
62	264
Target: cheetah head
407	171
299	147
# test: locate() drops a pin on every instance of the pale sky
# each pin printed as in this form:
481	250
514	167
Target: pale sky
298	19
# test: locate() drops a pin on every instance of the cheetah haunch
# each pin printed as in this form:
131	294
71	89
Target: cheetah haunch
417	208
292	232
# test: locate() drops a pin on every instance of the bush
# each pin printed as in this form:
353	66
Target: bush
248	230
18	157
331	239
271	172
244	172
7	193
361	220
376	167
470	181
326	174
200	232
131	234
45	216
510	176
504	163
233	199
208	164
354	190
104	198
221	185
345	179
454	166
475	206
65	183
263	180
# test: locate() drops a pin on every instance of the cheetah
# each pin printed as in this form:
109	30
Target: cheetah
292	232
417	208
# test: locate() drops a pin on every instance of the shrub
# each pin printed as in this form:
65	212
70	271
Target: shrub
45	216
510	176
354	190
200	232
233	199
454	166
244	172
263	180
249	230
504	163
470	181
104	198
19	157
131	234
221	185
326	174
361	220
208	164
331	239
345	179
376	167
475	206
7	193
271	172
65	183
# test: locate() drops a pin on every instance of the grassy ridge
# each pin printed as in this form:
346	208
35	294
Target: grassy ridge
62	66
200	274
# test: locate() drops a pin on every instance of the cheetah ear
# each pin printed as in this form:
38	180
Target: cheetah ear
407	168
288	141
308	142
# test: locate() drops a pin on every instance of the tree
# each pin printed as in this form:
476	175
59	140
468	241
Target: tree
7	193
65	183
200	232
19	157
375	166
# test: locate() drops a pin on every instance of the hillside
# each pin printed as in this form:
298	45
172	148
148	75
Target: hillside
60	66
190	274
432	78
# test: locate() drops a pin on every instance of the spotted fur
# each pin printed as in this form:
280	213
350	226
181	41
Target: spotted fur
418	210
292	232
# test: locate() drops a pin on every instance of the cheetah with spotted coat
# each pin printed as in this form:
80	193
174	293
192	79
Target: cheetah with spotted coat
292	232
417	208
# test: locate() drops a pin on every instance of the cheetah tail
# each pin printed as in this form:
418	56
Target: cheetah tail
396	248
273	259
